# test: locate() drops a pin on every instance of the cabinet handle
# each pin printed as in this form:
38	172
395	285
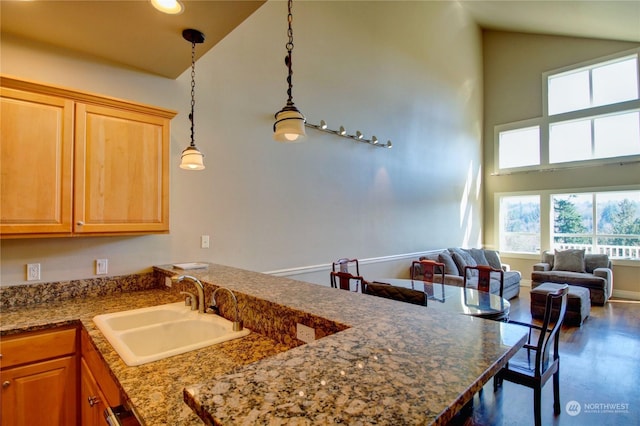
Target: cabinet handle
80	223
93	400
6	384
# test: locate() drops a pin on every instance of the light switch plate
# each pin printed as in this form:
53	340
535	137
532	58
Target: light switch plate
204	241
102	266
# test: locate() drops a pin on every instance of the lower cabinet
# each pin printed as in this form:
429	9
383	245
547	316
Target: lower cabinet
100	395
92	400
46	380
39	379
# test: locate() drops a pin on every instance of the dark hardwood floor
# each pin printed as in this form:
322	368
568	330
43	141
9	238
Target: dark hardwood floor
599	365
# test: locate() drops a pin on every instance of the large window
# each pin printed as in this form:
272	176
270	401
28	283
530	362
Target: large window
603	83
520	224
600	222
591	113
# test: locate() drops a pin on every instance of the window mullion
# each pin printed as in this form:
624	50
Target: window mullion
594	231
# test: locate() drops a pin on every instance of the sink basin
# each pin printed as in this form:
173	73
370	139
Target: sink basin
149	334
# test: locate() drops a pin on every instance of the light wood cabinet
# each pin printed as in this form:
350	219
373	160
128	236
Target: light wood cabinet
74	163
92	400
98	389
36	160
39	378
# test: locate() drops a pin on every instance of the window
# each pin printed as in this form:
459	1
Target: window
592	113
599	137
599	222
520	223
600	84
519	147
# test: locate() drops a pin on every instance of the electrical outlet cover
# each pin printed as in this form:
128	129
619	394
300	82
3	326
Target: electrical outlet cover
33	271
304	333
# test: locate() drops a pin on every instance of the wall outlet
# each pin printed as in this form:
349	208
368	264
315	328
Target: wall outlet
304	333
102	266
33	271
204	241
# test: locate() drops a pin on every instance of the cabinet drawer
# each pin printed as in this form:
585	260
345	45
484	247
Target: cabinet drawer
37	346
101	372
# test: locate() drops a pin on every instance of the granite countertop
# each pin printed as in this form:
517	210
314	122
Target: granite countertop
155	389
387	362
396	363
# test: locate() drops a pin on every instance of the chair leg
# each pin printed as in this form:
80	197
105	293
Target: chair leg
556	392
537	397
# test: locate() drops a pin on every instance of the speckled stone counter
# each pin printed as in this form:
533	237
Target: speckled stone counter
393	363
155	389
376	361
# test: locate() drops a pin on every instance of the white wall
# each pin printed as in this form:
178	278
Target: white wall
405	71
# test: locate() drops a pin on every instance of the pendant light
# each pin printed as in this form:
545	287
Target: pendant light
289	125
192	158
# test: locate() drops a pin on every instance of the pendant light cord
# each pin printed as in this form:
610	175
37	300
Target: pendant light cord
287	59
193	90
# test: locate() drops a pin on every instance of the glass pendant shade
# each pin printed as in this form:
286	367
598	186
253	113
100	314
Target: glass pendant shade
289	126
192	159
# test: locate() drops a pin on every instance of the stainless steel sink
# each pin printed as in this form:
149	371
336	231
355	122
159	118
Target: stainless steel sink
149	334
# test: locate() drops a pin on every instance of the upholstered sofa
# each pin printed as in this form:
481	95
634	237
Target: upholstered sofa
456	259
574	267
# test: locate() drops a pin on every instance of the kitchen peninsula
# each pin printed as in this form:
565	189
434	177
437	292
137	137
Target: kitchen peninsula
375	360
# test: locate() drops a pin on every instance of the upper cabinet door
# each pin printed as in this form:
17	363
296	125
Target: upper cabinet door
121	171
35	163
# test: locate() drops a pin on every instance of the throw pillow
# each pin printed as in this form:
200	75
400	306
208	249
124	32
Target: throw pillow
547	257
493	257
571	260
462	260
429	256
478	255
450	267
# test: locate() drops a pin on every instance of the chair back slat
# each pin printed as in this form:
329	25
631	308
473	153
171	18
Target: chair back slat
484	277
428	268
346	281
550	337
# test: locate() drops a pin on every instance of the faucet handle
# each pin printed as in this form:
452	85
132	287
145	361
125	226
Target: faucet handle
190	300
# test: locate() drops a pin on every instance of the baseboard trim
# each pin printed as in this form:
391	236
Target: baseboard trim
625	294
301	270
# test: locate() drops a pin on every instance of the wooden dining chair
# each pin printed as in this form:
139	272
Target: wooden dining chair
428	269
534	371
401	294
484	277
346	275
347	281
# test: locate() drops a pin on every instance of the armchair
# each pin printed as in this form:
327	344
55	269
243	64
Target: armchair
574	267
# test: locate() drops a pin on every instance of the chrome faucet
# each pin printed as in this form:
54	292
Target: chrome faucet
237	325
199	287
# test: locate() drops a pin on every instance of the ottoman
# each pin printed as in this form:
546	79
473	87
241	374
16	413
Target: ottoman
578	302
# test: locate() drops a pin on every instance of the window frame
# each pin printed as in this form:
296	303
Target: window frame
545	121
547	218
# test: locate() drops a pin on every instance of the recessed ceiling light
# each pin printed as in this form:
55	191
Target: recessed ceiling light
172	7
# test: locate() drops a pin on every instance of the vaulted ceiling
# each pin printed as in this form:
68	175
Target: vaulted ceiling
148	40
